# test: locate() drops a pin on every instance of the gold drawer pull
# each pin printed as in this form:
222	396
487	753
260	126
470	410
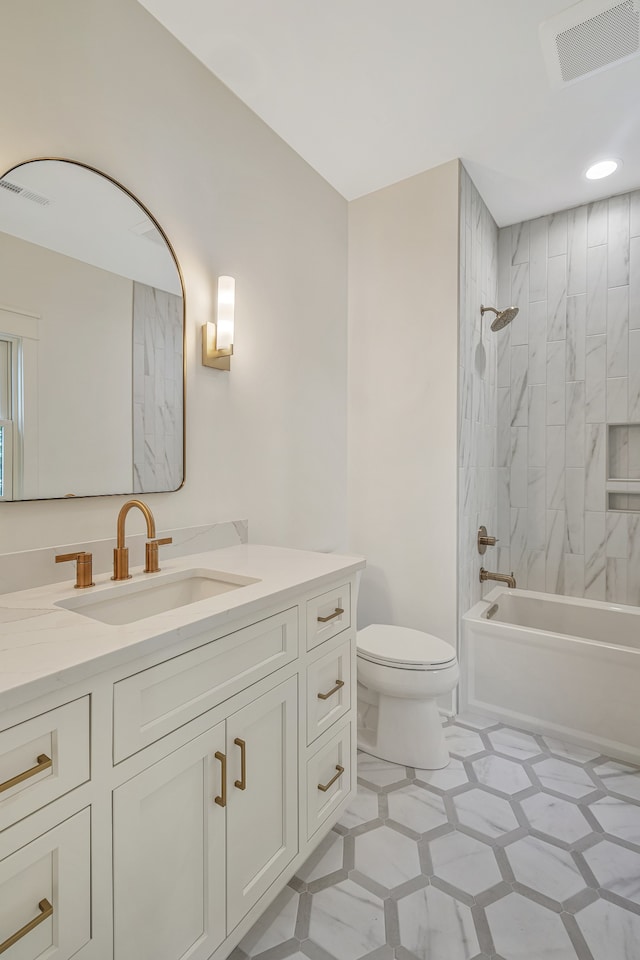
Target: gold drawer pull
325	696
336	613
241	784
222	799
44	762
325	786
46	911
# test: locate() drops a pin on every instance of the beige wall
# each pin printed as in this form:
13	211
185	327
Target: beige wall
403	364
105	84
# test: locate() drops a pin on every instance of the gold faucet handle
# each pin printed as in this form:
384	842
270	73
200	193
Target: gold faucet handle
151	554
84	567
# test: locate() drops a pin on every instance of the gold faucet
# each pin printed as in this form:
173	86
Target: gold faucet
121	553
509	579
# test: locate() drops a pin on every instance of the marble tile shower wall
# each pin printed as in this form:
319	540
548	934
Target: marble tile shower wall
157	389
477	426
568	365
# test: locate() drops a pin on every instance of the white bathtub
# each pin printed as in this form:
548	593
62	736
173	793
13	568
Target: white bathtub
557	665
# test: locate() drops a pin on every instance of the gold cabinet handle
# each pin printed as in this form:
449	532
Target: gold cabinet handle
44	762
222	799
336	613
46	911
241	784
325	786
325	696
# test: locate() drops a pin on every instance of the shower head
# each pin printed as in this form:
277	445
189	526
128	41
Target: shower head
502	318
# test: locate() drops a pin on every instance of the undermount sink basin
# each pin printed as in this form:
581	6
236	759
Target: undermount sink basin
133	601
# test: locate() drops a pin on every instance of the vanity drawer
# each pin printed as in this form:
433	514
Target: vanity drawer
328	689
45	905
156	701
328	615
328	779
42	759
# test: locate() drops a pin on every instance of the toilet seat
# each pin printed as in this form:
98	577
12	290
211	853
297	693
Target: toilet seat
403	648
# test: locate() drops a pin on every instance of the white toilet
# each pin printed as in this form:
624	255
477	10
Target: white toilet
401	673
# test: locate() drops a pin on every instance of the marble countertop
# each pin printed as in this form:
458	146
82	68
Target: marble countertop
44	647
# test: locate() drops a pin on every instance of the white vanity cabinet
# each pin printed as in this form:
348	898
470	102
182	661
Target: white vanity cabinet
199	836
155	803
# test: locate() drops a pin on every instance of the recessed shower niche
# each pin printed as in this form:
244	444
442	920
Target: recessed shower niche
623	467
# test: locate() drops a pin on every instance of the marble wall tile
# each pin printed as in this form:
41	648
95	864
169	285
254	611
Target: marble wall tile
573	575
536	509
555	549
538	259
519	467
617	400
575	423
617	331
556	383
504	357
518	385
557	298
633	571
618	241
504	267
595	559
595	379
520	243
575	493
582	372
634	284
616	580
576	333
617	535
577	251
595	449
503	507
634	376
596	290
537	570
634	213
537	436
504	427
518	545
597	222
537	342
557	242
555	467
520	298
478	378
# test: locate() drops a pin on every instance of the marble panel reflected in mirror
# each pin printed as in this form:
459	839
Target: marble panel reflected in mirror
91	338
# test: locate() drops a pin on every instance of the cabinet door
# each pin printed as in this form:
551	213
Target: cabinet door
169	856
262	813
45	902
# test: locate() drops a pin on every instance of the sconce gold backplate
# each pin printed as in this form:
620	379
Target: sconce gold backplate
211	357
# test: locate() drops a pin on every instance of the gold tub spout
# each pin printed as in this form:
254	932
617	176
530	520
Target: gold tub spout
121	553
507	578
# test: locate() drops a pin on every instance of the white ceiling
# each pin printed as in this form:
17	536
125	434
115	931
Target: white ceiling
372	91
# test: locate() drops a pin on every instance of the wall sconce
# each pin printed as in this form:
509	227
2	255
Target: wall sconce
217	338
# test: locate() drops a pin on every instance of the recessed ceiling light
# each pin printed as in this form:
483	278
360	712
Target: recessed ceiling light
604	168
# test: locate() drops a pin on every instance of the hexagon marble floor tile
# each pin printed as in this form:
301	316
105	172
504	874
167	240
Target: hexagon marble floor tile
523	848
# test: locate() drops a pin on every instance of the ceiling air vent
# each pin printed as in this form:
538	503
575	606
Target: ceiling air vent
23	192
149	231
588	37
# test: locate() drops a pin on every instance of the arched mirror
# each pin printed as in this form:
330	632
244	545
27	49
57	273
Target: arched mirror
91	338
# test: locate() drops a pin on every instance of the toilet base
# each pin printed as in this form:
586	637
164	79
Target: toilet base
408	732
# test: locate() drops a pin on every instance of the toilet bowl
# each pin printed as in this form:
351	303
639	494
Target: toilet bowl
401	673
